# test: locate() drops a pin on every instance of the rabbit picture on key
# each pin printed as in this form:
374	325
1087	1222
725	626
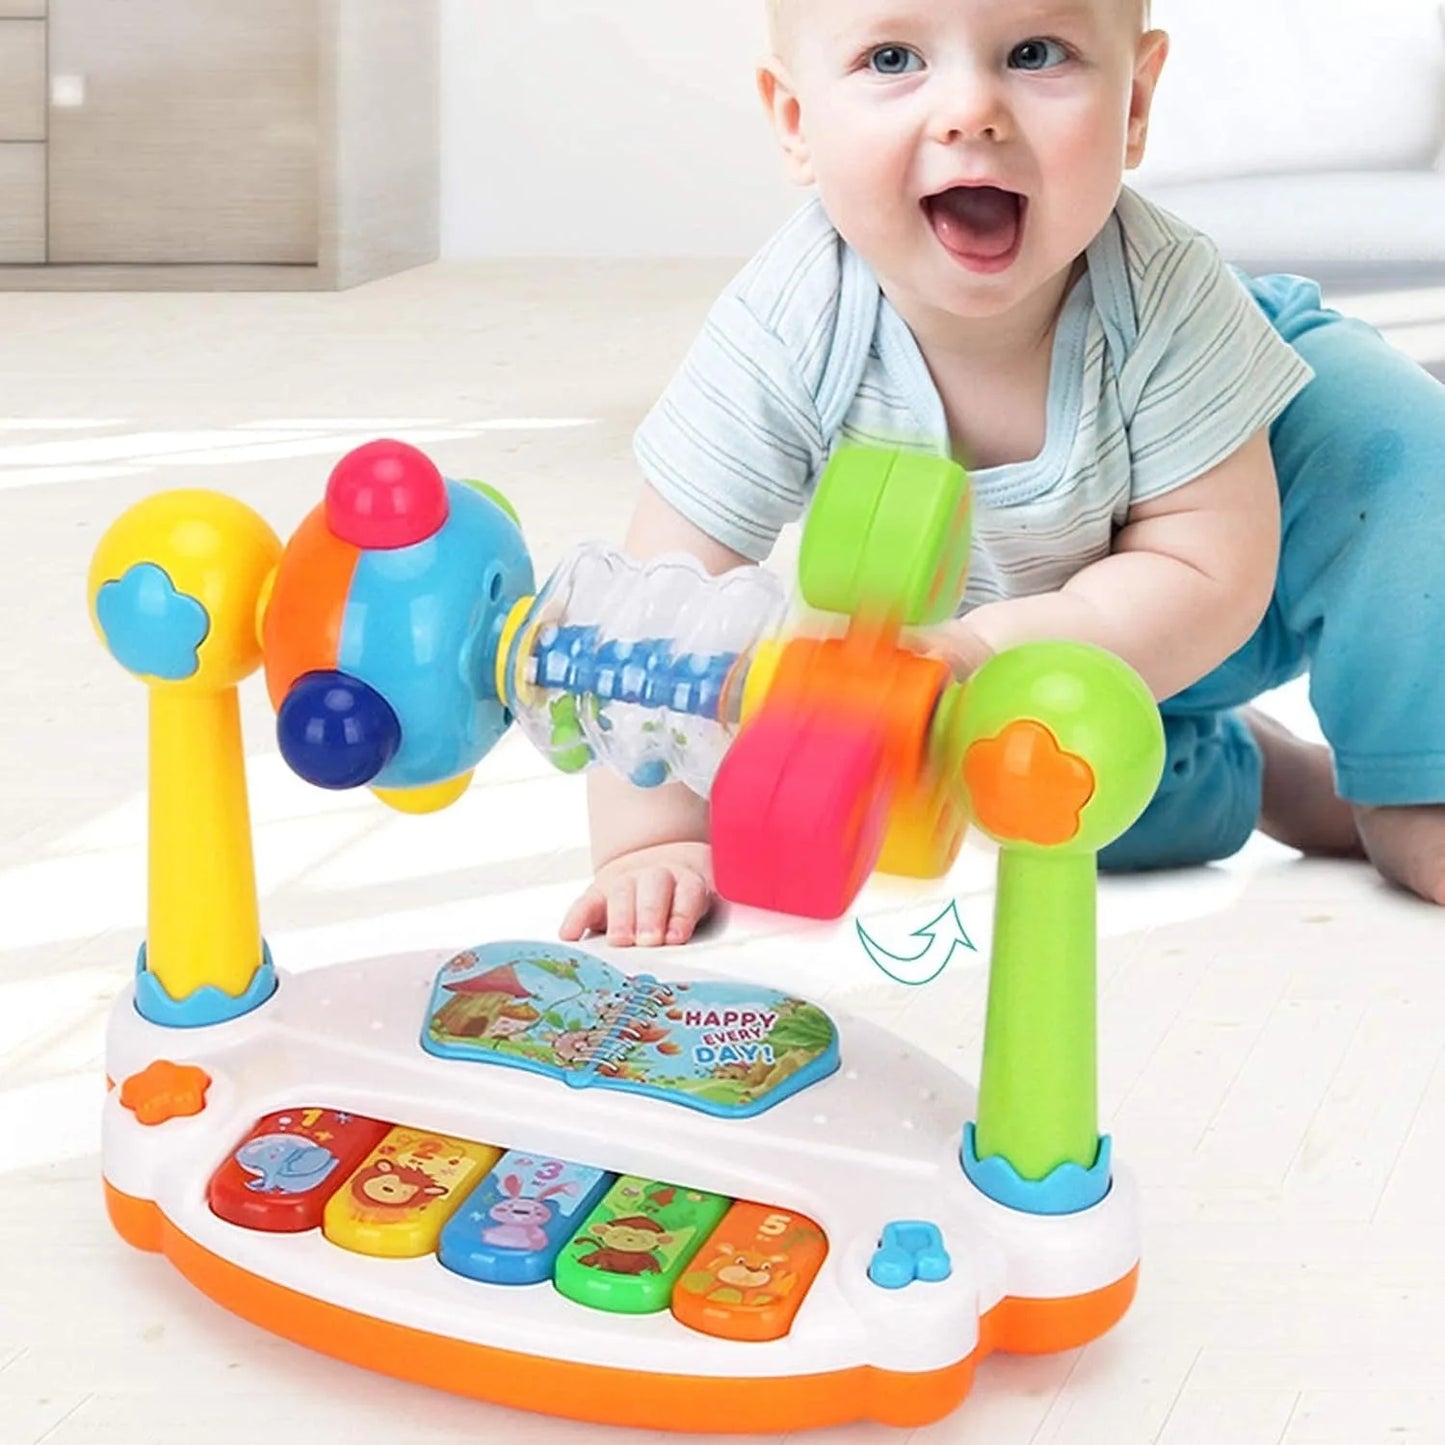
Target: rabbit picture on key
514	1224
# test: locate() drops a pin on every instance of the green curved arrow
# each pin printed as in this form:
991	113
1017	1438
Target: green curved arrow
941	935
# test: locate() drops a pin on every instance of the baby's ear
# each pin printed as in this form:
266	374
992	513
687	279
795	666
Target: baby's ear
780	100
1149	61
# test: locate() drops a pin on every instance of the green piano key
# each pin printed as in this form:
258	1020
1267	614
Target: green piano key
635	1245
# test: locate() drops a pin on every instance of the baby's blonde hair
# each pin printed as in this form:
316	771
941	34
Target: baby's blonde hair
777	14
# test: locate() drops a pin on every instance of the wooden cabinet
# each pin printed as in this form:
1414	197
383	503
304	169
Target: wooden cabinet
211	143
22	133
184	131
22	80
22	203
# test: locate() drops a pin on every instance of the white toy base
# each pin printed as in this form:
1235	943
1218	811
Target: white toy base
875	1142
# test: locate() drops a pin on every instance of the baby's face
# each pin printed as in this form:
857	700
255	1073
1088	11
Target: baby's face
969	150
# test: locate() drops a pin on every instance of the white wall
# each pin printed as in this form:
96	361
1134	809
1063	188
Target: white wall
605	128
632	128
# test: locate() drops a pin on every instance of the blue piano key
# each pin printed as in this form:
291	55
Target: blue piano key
513	1225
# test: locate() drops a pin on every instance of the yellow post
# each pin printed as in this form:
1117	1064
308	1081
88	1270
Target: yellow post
203	925
174	588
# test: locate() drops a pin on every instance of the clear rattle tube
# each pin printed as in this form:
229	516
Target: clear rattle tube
639	666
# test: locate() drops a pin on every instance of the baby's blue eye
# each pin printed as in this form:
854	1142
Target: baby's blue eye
895	60
1037	55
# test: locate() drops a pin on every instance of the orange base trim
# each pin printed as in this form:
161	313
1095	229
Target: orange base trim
138	1221
609	1396
1017	1326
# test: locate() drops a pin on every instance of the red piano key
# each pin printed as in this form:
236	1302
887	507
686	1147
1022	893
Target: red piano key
279	1177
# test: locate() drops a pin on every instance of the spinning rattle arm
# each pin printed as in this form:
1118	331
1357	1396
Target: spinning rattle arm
403	635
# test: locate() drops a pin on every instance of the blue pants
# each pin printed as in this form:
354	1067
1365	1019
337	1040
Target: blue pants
1359	602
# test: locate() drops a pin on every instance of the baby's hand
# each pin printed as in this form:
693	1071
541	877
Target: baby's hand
957	644
651	897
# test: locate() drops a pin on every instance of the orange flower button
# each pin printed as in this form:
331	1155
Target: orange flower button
164	1090
1025	787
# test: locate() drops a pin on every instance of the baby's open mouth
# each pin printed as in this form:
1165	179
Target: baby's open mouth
979	225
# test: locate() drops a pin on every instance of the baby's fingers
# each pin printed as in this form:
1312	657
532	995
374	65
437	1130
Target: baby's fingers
691	900
621	922
588	913
654	905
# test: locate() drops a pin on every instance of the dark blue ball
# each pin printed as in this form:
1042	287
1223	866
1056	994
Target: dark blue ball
336	731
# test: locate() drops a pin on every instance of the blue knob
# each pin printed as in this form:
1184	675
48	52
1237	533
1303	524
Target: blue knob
336	731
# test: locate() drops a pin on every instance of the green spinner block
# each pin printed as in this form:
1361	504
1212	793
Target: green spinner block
887	536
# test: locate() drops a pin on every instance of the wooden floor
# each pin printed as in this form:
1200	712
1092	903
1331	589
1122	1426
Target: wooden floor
1272	1031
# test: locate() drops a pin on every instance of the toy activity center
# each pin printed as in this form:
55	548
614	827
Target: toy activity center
514	1170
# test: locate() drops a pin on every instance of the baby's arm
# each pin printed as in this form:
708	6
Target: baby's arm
1188	581
649	845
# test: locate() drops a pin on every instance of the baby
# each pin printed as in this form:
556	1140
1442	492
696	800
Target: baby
1213	477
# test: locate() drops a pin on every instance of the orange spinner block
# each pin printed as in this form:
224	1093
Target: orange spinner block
866	676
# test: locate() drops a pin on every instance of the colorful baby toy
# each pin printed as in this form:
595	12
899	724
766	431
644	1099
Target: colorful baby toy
849	1229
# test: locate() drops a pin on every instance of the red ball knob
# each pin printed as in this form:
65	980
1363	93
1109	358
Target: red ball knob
384	495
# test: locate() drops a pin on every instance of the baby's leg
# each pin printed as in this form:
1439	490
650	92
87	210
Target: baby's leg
1230	772
1299	806
1361	460
1225	774
1208	802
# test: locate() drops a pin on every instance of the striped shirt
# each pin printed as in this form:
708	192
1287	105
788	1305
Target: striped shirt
1162	366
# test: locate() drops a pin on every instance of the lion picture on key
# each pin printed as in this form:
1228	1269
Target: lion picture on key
387	1188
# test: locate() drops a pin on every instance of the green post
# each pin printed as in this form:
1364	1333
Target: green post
1060	748
1038	1091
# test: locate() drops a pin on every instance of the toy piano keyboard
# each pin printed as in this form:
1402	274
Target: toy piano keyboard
520	1174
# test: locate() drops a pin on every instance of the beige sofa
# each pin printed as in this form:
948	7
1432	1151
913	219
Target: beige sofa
1305	135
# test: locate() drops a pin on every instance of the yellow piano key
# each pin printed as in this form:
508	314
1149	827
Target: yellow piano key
396	1201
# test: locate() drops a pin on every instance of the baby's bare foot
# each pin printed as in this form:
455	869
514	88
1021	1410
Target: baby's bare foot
1407	845
1300	807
